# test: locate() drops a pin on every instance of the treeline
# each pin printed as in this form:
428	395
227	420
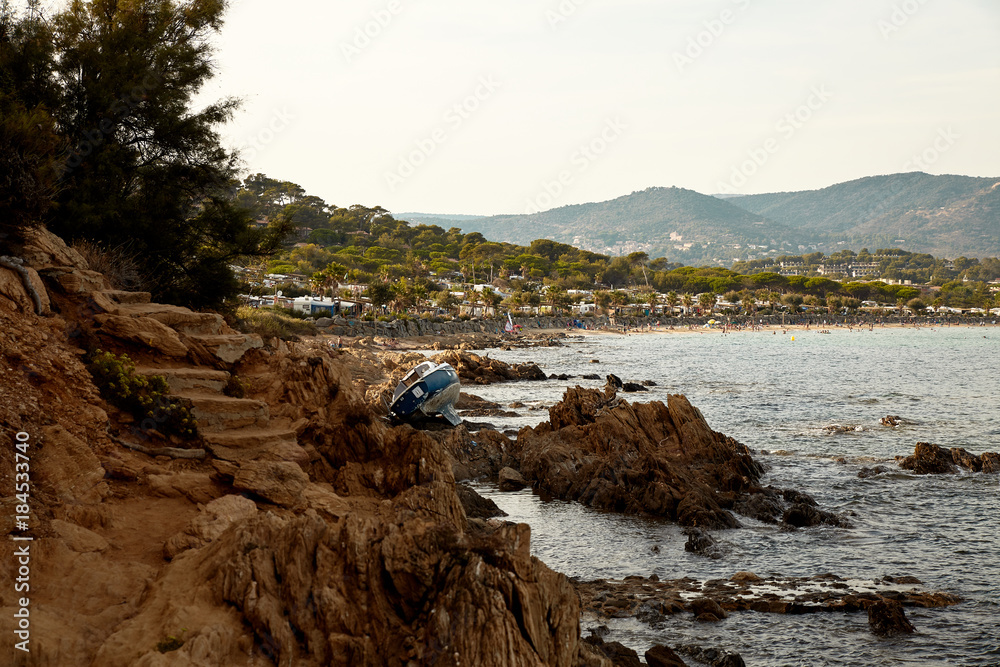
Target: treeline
100	141
892	264
362	245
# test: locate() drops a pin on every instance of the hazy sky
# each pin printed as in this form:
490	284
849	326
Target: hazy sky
449	106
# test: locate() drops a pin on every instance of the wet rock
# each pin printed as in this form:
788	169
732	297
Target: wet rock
619	654
707	607
765	506
966	460
713	656
801	515
886	618
701	543
472	402
511	480
892	420
991	462
663	656
648	383
590	376
475	506
929	459
865	473
841	428
631	387
612	381
652	612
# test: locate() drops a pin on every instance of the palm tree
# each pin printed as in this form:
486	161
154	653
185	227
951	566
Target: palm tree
688	302
557	298
672	300
707	301
492	300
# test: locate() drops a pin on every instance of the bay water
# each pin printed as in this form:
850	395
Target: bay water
778	396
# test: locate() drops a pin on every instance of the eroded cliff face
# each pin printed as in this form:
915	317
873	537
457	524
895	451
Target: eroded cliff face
311	533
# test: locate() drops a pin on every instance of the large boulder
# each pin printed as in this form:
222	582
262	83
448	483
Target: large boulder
511	480
483	370
142	331
929	459
662	459
663	656
886	618
279	482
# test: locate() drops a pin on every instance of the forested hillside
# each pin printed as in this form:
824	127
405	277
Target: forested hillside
942	215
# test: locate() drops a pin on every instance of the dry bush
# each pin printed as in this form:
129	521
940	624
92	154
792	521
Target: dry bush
121	265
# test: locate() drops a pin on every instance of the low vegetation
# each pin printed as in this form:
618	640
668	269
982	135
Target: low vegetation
271	323
146	398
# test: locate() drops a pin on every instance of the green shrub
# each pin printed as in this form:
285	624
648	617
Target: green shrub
235	387
146	398
171	643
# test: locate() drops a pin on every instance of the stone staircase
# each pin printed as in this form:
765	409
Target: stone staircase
239	430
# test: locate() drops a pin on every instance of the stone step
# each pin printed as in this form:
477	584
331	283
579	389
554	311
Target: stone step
202	380
217	413
123	297
255	444
177	318
228	348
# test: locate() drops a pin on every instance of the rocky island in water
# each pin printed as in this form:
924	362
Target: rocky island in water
255	507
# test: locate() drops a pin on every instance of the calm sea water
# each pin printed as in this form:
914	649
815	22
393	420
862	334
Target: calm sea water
776	394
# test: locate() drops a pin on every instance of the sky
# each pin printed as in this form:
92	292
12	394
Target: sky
474	107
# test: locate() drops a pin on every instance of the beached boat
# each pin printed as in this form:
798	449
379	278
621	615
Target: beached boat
429	388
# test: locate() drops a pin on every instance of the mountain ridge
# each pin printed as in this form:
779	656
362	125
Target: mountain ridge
946	215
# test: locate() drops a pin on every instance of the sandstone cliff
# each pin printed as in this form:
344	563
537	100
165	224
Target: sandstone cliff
303	532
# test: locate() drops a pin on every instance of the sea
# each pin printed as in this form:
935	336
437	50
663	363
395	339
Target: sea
779	392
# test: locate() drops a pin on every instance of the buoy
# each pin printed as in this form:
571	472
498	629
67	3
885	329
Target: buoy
793	337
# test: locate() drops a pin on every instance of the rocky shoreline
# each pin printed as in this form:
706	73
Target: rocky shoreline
300	527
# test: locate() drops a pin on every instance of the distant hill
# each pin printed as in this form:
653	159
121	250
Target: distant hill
680	224
947	216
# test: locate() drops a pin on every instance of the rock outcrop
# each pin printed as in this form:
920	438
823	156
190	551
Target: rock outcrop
652	600
476	369
656	458
887	618
930	459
